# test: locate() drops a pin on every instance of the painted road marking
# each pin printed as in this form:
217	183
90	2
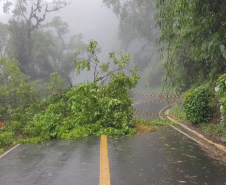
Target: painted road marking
104	162
9	151
219	146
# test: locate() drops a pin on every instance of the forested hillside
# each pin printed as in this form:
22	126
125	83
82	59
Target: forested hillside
190	36
192	41
138	33
193	38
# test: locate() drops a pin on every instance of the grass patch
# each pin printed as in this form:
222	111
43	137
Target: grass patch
215	129
178	111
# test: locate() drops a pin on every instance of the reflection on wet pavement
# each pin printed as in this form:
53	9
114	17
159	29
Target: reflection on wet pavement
165	157
55	162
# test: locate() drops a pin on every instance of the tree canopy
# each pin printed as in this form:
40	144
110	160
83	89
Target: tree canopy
40	47
193	39
138	32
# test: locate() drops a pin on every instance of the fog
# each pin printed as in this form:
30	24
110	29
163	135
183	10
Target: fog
96	21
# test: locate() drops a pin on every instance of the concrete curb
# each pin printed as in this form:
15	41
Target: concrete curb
162	111
192	134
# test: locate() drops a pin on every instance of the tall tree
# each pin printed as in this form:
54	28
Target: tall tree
4	37
28	15
193	40
137	25
65	46
136	19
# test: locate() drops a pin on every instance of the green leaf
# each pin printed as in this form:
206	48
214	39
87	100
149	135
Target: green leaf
224	54
222	48
210	44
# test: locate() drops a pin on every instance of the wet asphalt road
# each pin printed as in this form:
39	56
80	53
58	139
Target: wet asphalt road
165	157
53	162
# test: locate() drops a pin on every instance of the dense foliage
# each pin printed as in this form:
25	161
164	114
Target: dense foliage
193	40
221	89
99	107
40	47
196	105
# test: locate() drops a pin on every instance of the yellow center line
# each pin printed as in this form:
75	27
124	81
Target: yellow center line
104	163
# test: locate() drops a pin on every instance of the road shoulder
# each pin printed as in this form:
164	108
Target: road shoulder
212	146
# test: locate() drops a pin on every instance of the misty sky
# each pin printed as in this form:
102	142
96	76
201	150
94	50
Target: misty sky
91	18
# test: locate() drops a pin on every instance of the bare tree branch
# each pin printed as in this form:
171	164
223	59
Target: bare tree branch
21	10
68	80
111	72
35	9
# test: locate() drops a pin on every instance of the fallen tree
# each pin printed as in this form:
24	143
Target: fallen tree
99	107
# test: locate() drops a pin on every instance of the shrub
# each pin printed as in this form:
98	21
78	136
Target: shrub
221	88
196	105
6	139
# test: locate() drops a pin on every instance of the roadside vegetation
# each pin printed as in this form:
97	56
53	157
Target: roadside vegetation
202	108
213	126
192	43
178	110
